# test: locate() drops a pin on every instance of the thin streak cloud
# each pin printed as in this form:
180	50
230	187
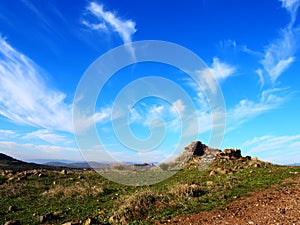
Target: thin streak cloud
25	97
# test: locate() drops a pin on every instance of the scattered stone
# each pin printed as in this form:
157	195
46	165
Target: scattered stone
123	220
64	172
88	221
255	159
57	213
293	172
219	169
12	208
256	165
13	222
10	179
225	171
46	217
231	153
73	223
212	173
112	220
248	157
101	212
210	183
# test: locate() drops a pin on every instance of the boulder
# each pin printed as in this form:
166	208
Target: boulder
64	172
13	222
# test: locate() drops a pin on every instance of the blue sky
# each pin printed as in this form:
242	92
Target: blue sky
250	47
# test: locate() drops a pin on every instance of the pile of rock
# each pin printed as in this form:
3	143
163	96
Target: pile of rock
230	153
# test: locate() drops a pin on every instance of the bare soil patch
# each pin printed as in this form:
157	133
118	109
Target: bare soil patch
275	205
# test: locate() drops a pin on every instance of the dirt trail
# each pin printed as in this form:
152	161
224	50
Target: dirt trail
276	205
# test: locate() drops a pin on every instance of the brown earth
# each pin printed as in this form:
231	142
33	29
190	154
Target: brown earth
275	205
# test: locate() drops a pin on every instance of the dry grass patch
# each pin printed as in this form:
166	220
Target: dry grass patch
81	189
187	190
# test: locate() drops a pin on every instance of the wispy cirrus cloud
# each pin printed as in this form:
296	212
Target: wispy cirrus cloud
220	70
213	75
25	97
45	135
101	116
271	148
246	109
7	134
110	21
20	151
280	53
292	7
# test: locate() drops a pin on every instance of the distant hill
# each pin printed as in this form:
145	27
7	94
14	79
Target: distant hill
294	164
79	165
10	163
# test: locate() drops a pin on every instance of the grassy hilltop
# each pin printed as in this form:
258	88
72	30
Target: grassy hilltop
42	196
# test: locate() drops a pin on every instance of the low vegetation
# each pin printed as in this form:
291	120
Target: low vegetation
86	197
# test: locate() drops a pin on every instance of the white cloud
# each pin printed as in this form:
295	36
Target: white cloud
178	106
24	96
210	77
279	54
247	109
45	135
272	148
31	151
227	44
84	121
124	28
260	73
99	26
102	115
7	134
291	6
220	70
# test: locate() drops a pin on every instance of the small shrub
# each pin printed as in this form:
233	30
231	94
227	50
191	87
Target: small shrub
164	166
119	167
187	190
138	206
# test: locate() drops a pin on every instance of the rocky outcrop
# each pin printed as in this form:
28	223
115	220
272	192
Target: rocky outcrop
196	147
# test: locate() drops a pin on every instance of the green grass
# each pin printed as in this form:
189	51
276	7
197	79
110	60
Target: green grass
82	194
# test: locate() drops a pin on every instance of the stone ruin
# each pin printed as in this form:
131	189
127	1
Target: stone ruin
230	153
197	148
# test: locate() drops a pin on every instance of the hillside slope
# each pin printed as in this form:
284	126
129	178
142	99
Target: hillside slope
274	205
10	163
85	197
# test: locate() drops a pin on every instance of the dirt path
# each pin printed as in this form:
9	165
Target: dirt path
276	205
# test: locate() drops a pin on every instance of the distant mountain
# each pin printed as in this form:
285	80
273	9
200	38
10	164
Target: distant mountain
10	163
294	164
79	165
4	157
